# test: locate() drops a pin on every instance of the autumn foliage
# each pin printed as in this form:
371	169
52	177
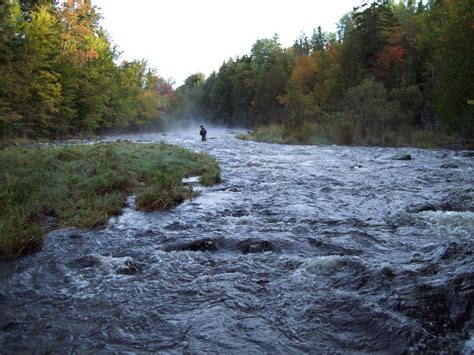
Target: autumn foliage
59	74
391	68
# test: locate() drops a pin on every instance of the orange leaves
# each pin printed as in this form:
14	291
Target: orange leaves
390	59
79	24
304	74
316	74
395	50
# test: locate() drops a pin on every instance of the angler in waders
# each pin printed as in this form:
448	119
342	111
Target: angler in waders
203	133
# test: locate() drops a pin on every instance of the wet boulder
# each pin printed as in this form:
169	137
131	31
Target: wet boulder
203	245
402	157
235	213
468	154
418	208
387	272
131	267
75	236
254	246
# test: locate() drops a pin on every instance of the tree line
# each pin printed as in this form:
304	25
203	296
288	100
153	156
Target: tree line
389	68
59	74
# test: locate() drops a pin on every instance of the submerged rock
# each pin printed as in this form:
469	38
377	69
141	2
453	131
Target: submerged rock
88	261
443	307
449	166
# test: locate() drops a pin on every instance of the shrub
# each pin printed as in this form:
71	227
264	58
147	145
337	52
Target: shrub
369	108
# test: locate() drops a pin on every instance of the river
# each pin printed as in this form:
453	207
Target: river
301	249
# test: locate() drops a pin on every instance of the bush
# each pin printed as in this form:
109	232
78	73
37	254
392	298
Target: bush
410	101
369	108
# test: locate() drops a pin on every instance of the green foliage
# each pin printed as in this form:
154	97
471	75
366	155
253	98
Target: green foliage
453	65
267	133
83	186
60	77
243	90
271	82
221	92
212	177
417	56
410	101
368	107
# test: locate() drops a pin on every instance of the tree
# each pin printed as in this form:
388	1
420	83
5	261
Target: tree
270	83
243	90
221	94
44	92
319	40
192	90
11	23
262	51
453	66
366	37
369	108
302	45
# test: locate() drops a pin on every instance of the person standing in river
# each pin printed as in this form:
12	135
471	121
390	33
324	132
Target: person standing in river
203	133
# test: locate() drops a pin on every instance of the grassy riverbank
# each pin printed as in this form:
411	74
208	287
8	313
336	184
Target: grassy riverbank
313	134
82	186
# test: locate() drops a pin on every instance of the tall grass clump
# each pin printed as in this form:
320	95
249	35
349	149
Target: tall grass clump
82	186
270	134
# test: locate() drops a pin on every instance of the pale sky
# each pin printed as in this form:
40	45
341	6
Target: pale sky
183	37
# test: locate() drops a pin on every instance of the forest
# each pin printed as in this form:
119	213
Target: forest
60	74
394	73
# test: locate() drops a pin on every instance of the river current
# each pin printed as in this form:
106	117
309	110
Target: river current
301	249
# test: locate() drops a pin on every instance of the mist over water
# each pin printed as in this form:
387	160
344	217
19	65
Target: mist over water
300	249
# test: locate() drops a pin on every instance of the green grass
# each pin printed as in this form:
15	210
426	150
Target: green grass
267	134
346	134
82	186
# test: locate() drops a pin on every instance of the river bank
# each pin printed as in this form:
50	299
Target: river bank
313	134
83	186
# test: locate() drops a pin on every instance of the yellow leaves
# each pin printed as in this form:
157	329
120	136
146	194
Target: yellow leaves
283	99
47	93
10	15
41	29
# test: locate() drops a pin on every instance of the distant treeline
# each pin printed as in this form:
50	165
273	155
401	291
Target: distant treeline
389	68
59	74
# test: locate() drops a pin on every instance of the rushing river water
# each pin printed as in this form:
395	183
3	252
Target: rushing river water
300	249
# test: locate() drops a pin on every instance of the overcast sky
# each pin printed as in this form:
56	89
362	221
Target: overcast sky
183	37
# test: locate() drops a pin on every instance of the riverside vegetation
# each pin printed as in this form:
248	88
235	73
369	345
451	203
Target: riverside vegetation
82	186
61	75
395	73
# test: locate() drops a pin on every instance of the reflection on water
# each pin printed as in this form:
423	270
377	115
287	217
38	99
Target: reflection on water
300	249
